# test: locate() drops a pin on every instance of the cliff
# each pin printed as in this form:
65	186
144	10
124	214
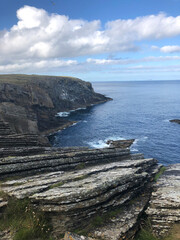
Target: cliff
29	103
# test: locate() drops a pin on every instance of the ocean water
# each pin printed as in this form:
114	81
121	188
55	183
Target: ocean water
139	110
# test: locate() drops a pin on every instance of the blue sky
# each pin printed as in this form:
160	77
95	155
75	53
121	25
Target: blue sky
96	40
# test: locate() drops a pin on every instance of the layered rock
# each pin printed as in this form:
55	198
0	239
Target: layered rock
9	138
77	186
101	191
29	103
164	209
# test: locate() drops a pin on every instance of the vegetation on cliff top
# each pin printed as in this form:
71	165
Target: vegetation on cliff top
23	78
24	221
146	233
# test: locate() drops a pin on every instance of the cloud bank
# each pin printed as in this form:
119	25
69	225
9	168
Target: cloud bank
170	49
41	40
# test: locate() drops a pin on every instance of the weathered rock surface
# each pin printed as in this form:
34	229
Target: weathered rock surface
175	120
100	191
72	236
73	198
121	143
29	103
74	186
164	209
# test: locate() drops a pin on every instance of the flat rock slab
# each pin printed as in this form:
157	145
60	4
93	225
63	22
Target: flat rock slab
164	209
45	186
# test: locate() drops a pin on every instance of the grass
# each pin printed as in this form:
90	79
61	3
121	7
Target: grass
174	233
3	195
80	166
25	221
146	233
161	171
21	79
59	184
81	177
98	221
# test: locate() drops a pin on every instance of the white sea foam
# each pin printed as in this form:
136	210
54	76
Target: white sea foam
103	143
63	114
134	150
142	139
134	147
66	114
166	120
98	144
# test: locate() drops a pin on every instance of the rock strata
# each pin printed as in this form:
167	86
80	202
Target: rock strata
120	143
164	209
29	103
100	191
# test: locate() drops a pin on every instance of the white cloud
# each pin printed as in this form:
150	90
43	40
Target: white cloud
38	66
39	36
147	27
170	49
131	61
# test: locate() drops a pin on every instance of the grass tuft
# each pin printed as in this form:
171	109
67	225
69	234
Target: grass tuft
59	184
25	221
80	166
145	234
161	171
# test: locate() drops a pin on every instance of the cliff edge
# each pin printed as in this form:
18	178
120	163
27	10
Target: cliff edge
29	103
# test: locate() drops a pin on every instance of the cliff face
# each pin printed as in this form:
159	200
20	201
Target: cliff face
29	103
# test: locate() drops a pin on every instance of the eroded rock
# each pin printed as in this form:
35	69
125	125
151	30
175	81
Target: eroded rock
164	209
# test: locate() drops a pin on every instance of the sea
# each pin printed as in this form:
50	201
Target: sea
140	110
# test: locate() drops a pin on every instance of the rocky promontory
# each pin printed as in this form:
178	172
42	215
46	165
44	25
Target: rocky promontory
29	103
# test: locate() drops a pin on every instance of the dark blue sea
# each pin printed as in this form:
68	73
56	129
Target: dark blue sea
139	110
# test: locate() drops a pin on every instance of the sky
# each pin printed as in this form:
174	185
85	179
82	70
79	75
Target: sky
95	40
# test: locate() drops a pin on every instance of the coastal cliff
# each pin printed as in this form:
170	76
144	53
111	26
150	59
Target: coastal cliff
29	103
